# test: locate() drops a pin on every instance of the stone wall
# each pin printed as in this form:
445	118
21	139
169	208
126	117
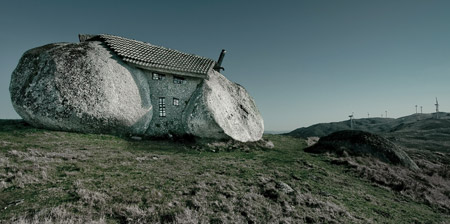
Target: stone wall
172	122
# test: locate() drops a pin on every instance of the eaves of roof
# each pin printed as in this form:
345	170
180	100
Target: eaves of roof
155	58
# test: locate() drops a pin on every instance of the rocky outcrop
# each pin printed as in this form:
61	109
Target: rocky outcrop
86	87
360	143
80	87
223	109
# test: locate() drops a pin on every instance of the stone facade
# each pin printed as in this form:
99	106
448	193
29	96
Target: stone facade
171	88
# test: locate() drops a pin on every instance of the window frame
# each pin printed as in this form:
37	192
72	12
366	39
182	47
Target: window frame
162	106
176	102
157	76
179	80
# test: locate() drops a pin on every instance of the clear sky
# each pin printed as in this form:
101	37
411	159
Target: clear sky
304	62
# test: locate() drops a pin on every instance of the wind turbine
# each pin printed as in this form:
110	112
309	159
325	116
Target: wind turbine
421	110
386	113
351	120
416	109
437	108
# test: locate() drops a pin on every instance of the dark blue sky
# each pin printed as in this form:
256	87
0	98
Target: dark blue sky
304	62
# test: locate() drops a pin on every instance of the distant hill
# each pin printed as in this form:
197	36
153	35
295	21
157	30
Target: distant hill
274	132
323	129
376	125
425	139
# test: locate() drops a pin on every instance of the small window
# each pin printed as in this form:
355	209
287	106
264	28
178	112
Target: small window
157	76
162	107
178	80
176	102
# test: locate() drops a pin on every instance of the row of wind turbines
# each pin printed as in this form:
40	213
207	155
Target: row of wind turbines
386	113
437	109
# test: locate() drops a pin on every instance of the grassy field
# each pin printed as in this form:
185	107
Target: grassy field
51	176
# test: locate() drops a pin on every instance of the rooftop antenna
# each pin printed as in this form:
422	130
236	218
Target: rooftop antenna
437	109
351	120
416	109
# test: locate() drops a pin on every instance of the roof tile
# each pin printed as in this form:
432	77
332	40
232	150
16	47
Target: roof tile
155	57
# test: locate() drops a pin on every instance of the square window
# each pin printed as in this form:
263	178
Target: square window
176	102
178	80
157	76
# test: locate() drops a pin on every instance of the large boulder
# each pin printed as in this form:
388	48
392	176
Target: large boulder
222	109
360	143
80	87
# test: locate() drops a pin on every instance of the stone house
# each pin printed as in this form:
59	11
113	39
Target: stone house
172	76
114	85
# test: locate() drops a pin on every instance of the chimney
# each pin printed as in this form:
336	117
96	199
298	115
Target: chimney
218	65
85	37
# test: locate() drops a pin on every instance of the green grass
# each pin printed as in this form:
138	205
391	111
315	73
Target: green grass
61	176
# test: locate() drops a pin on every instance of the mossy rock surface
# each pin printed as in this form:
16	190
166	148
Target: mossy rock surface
360	143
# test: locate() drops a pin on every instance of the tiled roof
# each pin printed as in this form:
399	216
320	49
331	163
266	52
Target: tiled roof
156	58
